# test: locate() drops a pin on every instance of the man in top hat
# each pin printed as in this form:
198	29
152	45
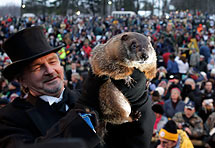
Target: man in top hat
47	112
190	122
170	137
50	110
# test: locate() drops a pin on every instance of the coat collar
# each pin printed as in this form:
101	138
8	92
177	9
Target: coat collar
43	115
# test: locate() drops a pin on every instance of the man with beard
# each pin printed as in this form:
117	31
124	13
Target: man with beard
47	112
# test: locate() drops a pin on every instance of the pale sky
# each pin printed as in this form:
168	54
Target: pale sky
7	2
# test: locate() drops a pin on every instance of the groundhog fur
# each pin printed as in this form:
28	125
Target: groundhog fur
117	59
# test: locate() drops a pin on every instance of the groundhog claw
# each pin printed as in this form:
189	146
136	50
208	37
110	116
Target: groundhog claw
136	115
129	81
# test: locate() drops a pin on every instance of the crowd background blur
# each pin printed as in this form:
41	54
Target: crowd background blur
185	47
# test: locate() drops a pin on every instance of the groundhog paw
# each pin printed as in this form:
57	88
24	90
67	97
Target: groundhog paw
136	115
129	81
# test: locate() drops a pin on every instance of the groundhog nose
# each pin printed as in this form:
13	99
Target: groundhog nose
144	56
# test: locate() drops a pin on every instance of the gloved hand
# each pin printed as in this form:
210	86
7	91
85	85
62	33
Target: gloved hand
90	92
136	94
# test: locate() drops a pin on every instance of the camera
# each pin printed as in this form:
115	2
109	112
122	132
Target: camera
185	124
208	101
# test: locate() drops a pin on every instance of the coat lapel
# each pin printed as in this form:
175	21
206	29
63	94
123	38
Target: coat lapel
42	114
37	120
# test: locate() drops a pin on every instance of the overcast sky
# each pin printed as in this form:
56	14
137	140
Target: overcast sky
7	2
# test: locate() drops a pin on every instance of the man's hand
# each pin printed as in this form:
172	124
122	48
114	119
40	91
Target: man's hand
90	91
179	125
134	94
188	130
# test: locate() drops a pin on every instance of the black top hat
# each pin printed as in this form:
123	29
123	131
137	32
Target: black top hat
23	47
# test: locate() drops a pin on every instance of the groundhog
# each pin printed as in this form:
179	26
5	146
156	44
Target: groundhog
117	59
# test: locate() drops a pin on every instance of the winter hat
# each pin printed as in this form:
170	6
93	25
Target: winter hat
16	84
176	89
160	90
169	131
158	108
156	94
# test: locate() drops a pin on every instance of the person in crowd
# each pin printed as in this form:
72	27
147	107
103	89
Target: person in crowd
172	66
205	51
211	65
174	104
206	109
163	84
170	137
209	132
160	118
211	75
161	74
3	87
87	49
71	71
194	58
51	111
166	58
208	92
212	56
190	122
75	82
191	92
208	99
174	81
14	89
183	65
156	96
202	65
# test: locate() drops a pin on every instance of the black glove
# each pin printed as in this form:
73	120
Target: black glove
90	92
137	94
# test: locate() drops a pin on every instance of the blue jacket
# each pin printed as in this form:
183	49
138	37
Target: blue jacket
172	67
169	111
205	50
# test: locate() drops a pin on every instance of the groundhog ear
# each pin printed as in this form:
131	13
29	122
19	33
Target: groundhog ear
124	37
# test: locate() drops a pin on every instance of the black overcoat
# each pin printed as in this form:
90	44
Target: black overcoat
33	120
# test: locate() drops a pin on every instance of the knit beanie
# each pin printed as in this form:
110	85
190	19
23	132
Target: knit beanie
156	94
158	108
169	131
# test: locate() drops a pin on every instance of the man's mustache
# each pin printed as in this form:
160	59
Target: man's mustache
50	77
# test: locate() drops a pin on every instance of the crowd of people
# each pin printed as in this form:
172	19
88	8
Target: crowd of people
184	87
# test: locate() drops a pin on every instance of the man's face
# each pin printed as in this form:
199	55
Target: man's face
44	76
174	95
73	65
164	143
208	86
189	112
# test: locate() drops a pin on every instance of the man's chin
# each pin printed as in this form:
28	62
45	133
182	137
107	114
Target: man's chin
52	90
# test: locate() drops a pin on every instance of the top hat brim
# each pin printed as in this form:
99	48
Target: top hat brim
16	67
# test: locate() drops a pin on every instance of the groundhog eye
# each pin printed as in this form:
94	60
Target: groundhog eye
133	46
